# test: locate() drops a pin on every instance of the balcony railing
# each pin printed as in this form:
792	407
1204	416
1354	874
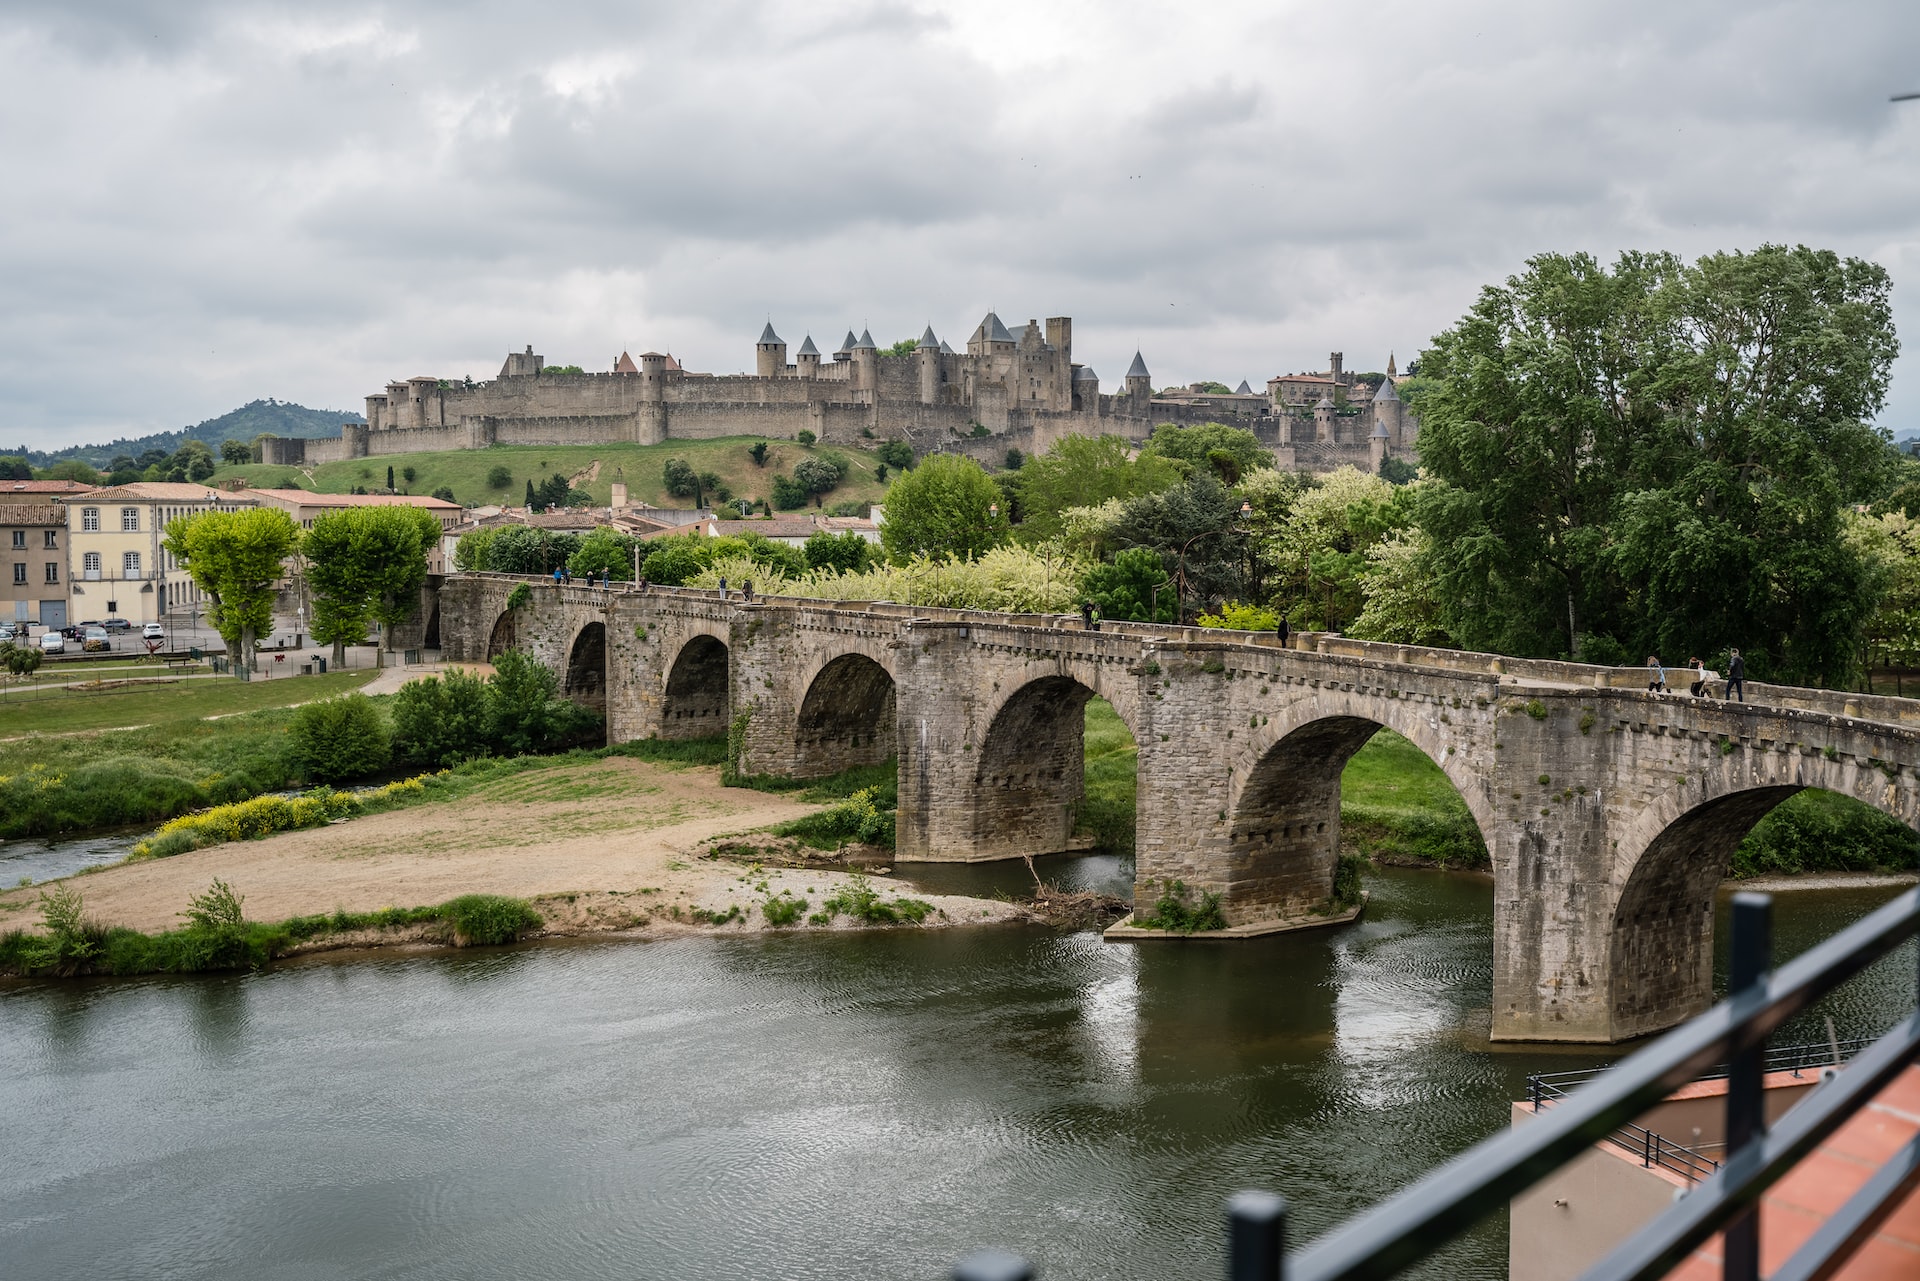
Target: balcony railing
1407	1227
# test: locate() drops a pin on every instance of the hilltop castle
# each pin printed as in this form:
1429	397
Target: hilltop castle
1004	393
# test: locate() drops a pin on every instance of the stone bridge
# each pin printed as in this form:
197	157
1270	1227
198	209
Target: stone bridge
1610	813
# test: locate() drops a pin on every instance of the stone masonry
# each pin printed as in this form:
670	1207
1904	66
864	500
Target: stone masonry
1610	813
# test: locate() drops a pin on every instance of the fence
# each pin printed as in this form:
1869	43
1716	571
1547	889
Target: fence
1407	1227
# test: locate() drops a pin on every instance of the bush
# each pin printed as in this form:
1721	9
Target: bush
487	920
1172	912
680	478
339	739
862	817
441	720
805	437
846	553
859	900
71	940
1346	882
788	493
217	930
520	699
445	494
897	454
498	477
1816	831
1244	618
783	909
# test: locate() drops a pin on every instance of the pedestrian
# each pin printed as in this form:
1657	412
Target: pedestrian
723	587
1699	670
1656	675
643	583
1086	614
746	590
1281	630
1736	676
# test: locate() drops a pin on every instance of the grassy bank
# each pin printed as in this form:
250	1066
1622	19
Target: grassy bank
1106	812
51	712
219	937
466	471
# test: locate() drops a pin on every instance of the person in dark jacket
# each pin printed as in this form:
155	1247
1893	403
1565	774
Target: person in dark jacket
1281	630
1736	676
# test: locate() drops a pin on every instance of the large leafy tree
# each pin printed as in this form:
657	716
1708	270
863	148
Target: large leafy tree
236	557
1083	471
946	508
1656	457
1232	452
366	563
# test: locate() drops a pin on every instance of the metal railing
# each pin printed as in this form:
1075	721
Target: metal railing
1409	1226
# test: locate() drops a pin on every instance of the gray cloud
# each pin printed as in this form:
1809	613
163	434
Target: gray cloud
214	201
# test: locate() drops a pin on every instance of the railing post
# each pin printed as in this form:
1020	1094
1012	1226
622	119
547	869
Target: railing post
1646	1149
1533	1089
1746	1102
1256	1237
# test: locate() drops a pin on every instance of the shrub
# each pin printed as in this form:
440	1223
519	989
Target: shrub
339	739
1244	618
859	900
1172	912
783	909
758	452
441	720
861	817
217	930
71	939
897	454
521	716
485	920
788	493
498	477
805	437
1346	882
445	494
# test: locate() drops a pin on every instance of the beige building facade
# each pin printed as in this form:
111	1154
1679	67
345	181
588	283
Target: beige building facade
305	507
117	564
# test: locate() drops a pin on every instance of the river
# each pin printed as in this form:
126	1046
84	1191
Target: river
800	1106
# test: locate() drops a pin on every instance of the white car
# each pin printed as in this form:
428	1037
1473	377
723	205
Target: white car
153	631
53	643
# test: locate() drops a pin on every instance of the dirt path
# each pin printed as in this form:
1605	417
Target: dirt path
608	844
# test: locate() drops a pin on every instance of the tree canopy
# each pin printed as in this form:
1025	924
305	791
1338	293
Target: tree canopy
237	558
946	508
366	564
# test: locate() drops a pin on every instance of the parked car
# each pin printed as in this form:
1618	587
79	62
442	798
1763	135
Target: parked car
53	643
95	638
153	631
6	632
117	625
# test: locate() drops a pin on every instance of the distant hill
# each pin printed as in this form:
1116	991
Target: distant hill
278	417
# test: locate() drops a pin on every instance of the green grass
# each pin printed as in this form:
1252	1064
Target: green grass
465	470
1397	806
1816	831
51	712
1112	758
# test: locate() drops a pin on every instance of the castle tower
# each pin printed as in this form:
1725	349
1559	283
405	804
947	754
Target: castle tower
1323	420
650	416
866	362
1139	384
769	354
990	338
1086	389
926	354
1391	372
1390	412
1334	360
842	356
807	359
1377	448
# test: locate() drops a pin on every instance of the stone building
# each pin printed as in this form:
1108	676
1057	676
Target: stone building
33	578
117	566
1005	391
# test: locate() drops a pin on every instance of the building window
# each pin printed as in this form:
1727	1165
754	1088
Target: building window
129	520
90	519
20	540
53	572
53	540
90	563
130	564
20	574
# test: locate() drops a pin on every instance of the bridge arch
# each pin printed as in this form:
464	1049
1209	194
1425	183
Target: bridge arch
586	671
1284	808
1030	772
1672	858
847	717
695	701
501	638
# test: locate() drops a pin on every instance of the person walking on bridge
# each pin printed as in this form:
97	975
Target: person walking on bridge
1281	630
1656	675
1736	676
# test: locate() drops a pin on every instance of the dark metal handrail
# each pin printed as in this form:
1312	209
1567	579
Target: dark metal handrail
1407	1227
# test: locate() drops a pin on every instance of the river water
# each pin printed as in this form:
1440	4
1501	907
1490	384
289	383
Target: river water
797	1106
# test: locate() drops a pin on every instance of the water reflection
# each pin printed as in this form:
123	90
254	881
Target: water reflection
806	1105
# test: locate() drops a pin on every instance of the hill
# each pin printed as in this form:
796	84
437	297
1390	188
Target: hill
592	468
279	417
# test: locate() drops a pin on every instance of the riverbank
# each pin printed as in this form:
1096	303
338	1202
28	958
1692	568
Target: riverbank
597	845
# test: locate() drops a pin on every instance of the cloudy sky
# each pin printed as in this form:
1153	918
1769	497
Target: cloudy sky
209	202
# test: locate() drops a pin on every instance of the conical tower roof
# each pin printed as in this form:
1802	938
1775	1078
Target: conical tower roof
993	331
768	336
865	343
1243	389
807	348
1138	369
1085	374
945	350
846	344
928	341
1385	393
625	365
1325	402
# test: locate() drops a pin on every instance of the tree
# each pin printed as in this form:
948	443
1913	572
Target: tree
1232	452
1397	585
441	720
75	470
758	452
1083	471
680	478
604	551
233	452
897	454
846	553
521	695
805	437
533	501
1014	459
673	560
1196	528
408	474
237	558
445	494
1135	586
472	554
788	493
816	476
1319	553
13	467
338	739
498	476
522	549
944	508
1661	454
1398	471
366	563
193	461
391	487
